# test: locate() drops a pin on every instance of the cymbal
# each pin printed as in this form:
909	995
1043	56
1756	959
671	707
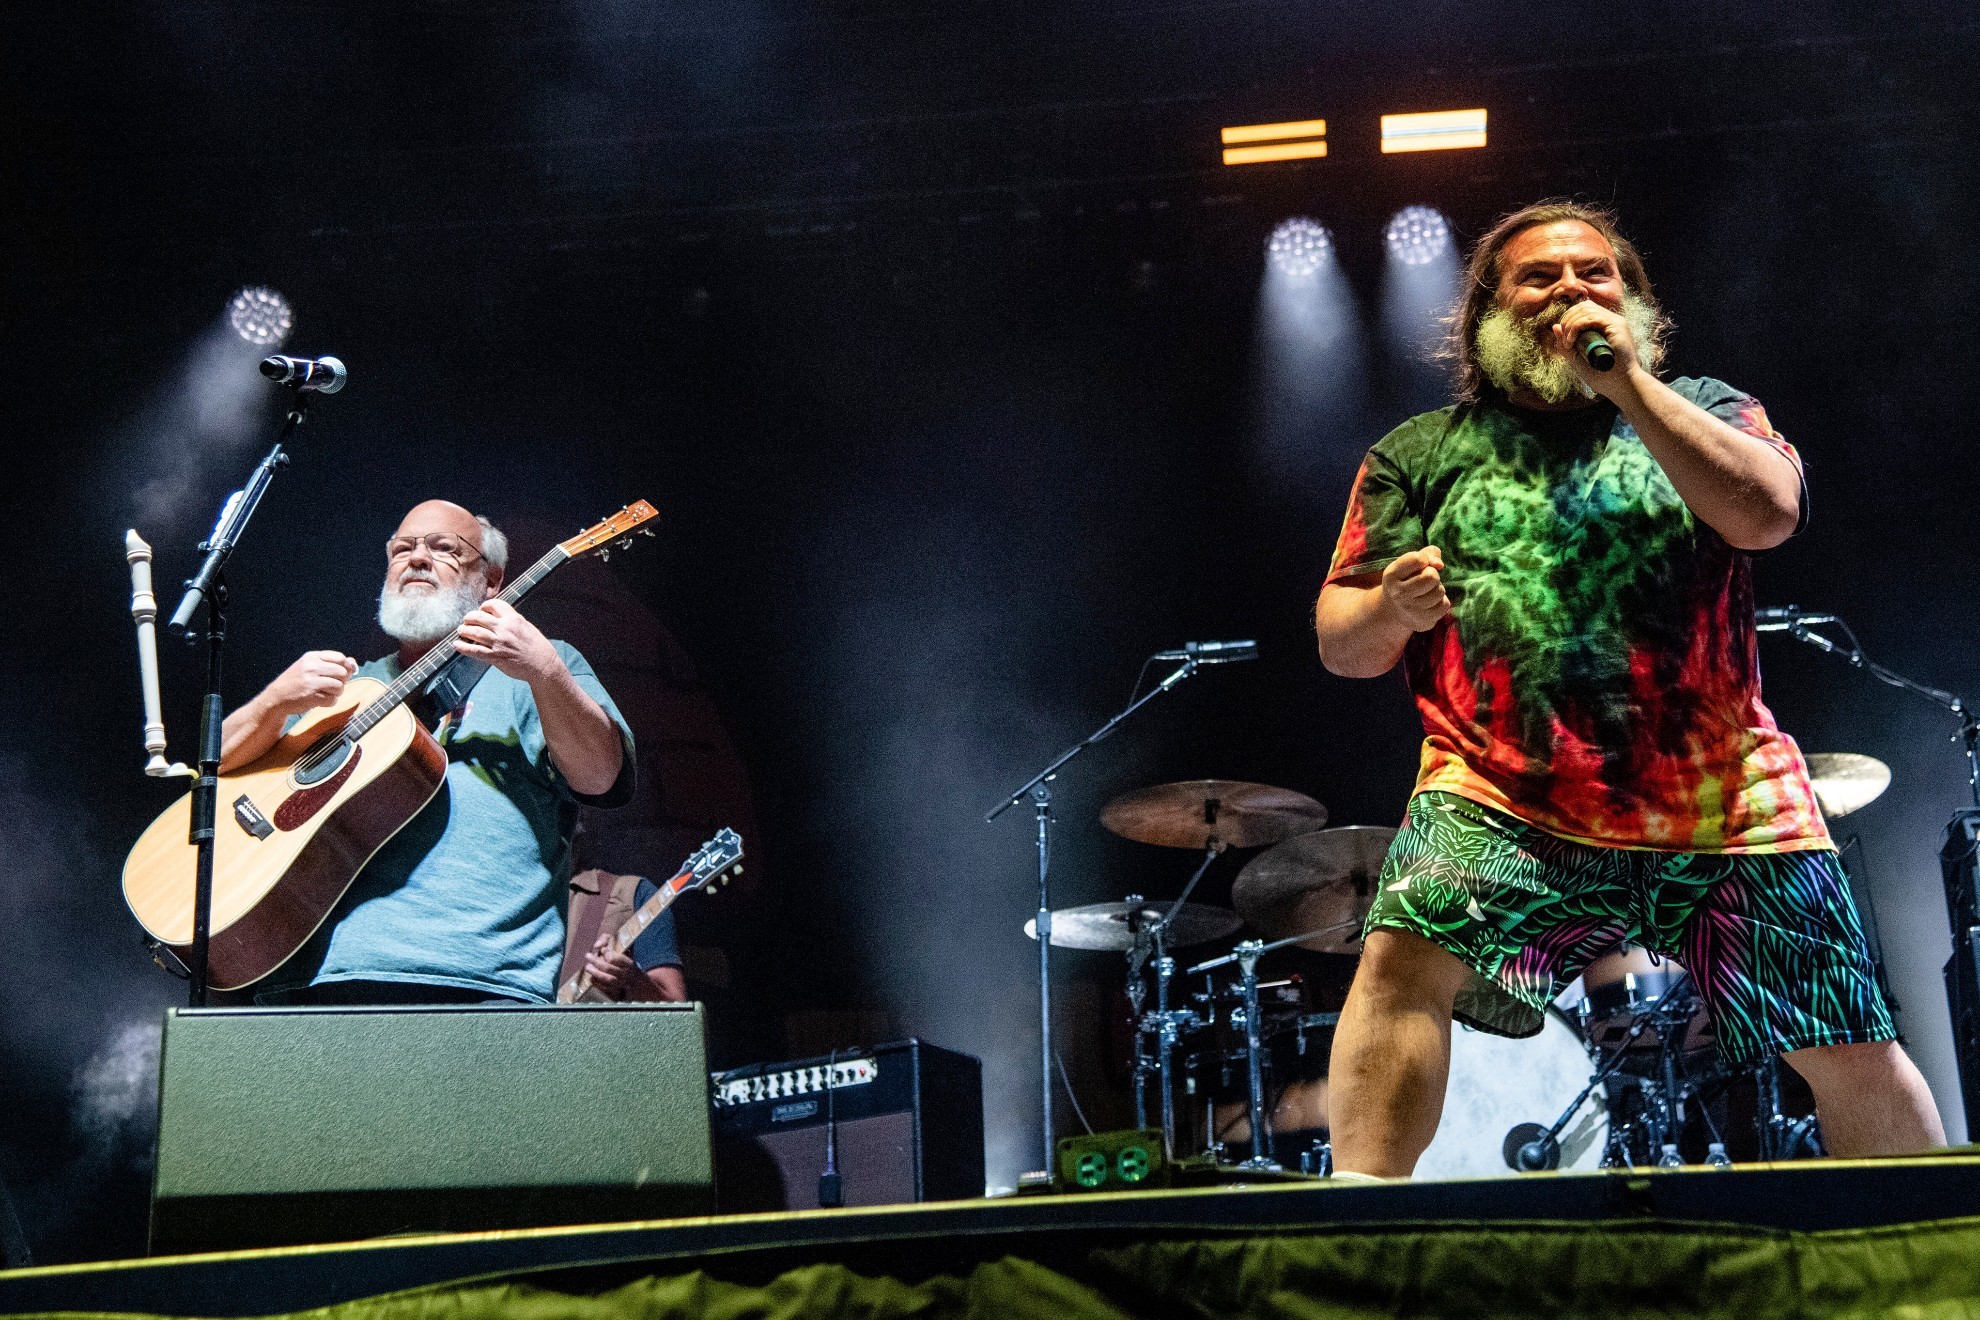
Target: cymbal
1315	880
1846	781
1191	813
1107	926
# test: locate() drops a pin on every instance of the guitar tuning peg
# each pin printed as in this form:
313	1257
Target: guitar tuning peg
736	869
604	554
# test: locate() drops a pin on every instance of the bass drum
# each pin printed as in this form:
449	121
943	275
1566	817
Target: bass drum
1497	1083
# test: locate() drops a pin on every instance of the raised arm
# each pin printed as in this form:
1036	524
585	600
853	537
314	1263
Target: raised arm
1364	622
582	739
317	678
1743	488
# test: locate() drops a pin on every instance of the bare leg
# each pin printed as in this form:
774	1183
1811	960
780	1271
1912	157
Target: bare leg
1871	1099
1392	1054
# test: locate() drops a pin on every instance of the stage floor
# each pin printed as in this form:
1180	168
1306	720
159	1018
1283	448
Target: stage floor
1796	1198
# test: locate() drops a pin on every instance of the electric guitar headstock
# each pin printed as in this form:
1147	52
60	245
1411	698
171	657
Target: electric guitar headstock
615	532
716	860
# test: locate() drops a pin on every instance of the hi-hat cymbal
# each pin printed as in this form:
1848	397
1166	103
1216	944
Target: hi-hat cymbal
1847	781
1326	878
1191	813
1111	926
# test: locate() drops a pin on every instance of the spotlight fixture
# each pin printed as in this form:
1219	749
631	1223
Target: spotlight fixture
1417	235
261	316
1437	130
1299	247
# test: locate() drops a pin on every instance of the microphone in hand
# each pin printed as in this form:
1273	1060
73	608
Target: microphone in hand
1595	350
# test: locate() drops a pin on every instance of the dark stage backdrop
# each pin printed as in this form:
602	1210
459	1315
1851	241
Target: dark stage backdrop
934	332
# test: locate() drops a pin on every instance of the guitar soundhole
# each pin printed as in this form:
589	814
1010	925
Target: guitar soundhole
321	761
307	802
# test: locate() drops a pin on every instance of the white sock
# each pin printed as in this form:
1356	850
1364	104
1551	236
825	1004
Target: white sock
1349	1175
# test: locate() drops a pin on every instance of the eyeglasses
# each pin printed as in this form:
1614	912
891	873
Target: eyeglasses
443	546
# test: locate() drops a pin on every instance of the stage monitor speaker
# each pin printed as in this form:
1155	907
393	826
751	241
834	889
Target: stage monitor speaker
280	1126
1959	859
907	1117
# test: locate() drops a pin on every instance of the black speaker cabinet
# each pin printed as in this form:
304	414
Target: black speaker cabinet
908	1119
281	1126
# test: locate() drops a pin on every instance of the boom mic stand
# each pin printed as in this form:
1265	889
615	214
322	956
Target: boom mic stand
1039	789
1962	902
208	588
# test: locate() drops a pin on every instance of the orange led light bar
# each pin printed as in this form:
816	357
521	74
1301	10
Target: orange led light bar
1274	141
1437	130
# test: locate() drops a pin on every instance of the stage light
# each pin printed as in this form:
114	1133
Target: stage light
1417	235
1438	130
1299	247
261	316
1312	144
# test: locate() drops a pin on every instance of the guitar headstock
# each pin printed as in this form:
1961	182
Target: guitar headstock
619	529
718	859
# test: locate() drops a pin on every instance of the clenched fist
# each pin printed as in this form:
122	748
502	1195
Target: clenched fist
317	678
1413	588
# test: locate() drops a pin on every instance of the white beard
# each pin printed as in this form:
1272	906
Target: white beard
421	618
1514	353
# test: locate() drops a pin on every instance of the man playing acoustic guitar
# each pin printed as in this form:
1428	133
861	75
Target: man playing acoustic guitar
465	903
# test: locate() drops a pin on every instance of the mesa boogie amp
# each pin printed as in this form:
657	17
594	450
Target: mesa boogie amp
906	1120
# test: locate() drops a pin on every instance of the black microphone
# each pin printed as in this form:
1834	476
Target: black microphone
325	375
1595	350
1779	618
1212	653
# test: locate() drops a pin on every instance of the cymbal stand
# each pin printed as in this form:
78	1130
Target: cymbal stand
1254	1049
1039	790
1246	956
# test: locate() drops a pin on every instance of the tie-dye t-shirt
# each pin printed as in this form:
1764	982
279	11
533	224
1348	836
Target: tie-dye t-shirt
1598	675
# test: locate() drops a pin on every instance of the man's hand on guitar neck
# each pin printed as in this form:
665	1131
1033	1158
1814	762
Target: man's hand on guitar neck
583	740
317	678
616	976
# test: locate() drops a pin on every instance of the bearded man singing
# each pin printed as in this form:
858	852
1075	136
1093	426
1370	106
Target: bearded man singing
1562	563
465	903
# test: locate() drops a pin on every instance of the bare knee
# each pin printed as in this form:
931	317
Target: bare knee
1405	971
1854	1063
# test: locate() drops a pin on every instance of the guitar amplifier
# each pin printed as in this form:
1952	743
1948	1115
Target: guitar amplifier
280	1126
907	1118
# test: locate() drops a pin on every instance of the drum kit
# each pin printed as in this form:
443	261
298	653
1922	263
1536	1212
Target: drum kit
1624	1055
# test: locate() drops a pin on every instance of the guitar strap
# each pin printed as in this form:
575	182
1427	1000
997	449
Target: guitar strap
447	691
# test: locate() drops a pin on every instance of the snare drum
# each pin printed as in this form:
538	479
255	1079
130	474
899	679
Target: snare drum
1497	1083
1619	985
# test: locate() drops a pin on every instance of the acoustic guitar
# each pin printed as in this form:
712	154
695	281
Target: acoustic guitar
720	857
295	827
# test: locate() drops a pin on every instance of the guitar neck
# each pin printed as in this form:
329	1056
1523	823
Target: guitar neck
422	670
629	931
649	912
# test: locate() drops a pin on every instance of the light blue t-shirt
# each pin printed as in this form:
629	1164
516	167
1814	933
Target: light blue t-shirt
471	892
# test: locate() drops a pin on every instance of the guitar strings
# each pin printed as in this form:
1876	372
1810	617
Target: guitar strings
416	676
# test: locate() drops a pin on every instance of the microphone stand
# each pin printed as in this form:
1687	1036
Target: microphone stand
1039	789
1802	630
209	588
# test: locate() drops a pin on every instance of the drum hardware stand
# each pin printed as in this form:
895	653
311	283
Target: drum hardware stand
1246	956
1780	1137
1530	1148
1165	1023
1039	789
